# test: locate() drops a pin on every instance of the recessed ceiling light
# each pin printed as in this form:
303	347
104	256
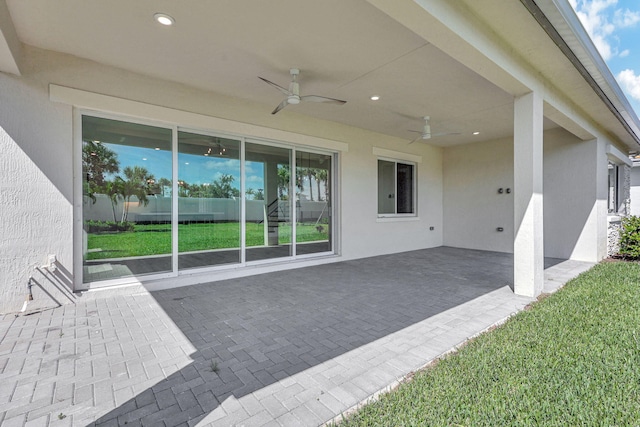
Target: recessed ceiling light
375	98
164	19
476	133
144	158
186	163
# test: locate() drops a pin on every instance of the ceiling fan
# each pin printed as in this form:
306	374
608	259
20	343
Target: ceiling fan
425	133
293	93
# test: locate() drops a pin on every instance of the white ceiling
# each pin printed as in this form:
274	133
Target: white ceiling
345	49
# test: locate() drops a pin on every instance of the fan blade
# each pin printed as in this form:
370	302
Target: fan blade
445	134
415	131
316	98
281	106
415	139
280	88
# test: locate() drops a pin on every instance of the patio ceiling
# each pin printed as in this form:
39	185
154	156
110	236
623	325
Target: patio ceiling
347	50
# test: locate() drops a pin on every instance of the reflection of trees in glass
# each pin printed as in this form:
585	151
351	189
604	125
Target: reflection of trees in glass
313	174
322	175
138	180
221	188
114	190
255	194
97	161
284	177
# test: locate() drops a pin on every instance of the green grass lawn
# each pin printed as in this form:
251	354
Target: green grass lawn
155	239
572	360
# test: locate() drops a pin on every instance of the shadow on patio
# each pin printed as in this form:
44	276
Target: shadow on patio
258	331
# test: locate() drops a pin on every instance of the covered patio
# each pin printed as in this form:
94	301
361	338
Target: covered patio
295	347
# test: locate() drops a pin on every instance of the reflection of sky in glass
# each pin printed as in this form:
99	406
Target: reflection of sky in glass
157	162
199	170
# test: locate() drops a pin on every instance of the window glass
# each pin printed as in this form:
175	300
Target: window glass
126	170
396	192
405	188
268	202
614	188
386	187
313	203
208	200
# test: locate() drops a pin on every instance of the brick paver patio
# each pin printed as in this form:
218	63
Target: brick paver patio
297	347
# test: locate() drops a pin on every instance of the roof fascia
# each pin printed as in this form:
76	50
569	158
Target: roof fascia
563	26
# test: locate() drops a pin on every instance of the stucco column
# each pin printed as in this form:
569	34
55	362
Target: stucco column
528	243
602	191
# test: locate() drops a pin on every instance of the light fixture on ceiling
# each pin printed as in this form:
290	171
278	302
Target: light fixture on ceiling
157	148
476	133
375	98
164	19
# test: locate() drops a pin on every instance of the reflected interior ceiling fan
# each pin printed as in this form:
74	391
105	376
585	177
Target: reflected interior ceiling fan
293	93
425	133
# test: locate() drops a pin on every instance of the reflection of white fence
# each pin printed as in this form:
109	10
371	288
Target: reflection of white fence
199	210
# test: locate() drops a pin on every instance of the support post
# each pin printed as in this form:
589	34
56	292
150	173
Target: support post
528	244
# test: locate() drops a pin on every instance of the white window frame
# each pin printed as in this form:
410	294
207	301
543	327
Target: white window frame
414	188
78	113
613	197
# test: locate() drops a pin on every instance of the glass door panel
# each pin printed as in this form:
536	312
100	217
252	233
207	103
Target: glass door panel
268	209
313	203
127	170
208	200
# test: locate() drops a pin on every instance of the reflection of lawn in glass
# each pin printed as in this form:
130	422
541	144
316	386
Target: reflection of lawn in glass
155	239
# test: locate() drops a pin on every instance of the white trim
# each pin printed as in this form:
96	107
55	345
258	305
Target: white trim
78	200
617	156
397	218
120	106
396	155
175	206
243	204
293	202
388	217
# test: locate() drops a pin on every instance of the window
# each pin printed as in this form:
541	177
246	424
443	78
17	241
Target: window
613	195
127	192
160	200
396	188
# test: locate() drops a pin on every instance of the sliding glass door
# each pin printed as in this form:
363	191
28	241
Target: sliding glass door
161	200
126	181
267	197
313	202
208	200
